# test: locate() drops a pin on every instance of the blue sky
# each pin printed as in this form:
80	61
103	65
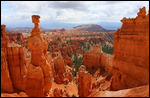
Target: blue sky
18	13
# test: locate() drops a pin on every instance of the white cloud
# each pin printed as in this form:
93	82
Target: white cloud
71	11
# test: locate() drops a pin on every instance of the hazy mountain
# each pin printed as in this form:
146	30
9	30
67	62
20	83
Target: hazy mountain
110	25
57	25
106	25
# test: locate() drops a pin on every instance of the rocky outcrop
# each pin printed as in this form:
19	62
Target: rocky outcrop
15	37
142	91
131	52
17	66
13	64
92	59
6	82
68	61
38	86
62	74
60	93
78	41
68	50
4	38
21	94
107	62
84	82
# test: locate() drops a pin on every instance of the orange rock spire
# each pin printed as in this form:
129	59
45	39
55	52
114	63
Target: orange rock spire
4	38
41	85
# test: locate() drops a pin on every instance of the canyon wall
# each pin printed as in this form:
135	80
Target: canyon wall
131	52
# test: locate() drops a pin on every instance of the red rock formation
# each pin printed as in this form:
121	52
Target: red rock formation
57	45
142	91
107	62
15	64
6	83
68	62
60	93
17	67
131	53
78	41
38	86
84	82
62	74
62	30
92	59
4	38
15	37
21	94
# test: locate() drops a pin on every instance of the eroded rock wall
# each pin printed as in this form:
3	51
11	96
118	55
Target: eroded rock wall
131	52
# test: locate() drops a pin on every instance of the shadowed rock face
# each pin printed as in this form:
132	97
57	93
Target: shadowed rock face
131	52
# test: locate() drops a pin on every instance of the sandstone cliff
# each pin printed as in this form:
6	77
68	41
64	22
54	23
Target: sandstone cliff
131	52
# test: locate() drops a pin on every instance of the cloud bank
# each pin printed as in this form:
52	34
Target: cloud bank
20	12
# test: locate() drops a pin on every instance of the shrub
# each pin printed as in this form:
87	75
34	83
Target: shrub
73	95
77	63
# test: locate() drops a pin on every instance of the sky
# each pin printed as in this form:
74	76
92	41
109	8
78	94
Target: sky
18	13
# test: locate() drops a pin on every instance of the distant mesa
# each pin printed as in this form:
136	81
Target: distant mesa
89	27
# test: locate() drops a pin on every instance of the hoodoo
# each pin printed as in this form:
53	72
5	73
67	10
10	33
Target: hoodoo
38	86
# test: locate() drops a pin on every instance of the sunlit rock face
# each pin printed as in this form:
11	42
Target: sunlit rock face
6	82
17	66
15	37
131	52
4	38
62	74
21	94
95	58
92	59
13	69
39	80
84	82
